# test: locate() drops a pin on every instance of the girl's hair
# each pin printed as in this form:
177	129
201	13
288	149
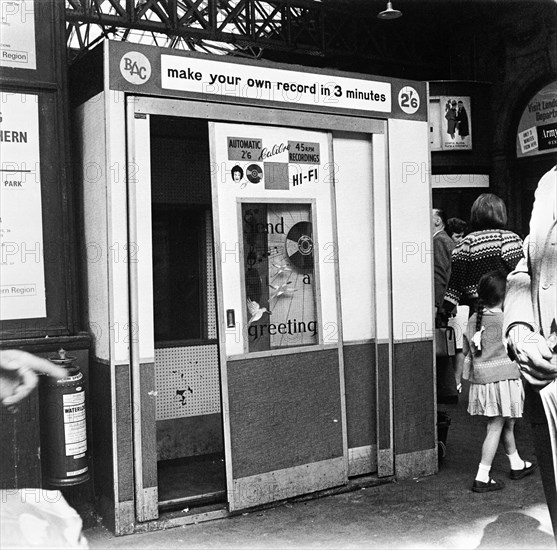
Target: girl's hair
488	212
491	292
456	225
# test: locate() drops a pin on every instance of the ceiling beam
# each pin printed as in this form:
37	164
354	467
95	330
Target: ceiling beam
302	27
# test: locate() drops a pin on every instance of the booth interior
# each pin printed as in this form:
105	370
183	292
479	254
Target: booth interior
190	447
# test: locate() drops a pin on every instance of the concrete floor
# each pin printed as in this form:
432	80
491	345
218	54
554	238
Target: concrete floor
437	511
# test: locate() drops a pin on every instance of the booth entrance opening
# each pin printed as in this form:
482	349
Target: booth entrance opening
189	437
251	406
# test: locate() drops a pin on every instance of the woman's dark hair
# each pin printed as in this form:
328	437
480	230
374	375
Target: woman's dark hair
456	225
491	291
488	212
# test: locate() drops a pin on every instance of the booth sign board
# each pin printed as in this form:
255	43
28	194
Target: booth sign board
154	71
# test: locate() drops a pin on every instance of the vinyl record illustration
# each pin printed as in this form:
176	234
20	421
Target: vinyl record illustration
299	245
254	173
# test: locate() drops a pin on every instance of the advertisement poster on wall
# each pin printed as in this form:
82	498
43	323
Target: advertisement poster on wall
17	27
450	123
22	283
537	129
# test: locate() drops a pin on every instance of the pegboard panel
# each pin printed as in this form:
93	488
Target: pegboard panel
187	381
210	278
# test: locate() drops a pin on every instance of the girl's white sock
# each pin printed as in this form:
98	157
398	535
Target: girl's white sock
483	473
517	463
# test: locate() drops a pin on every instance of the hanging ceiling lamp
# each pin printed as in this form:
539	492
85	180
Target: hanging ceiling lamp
389	13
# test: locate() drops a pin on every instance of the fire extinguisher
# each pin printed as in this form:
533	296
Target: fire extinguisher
63	425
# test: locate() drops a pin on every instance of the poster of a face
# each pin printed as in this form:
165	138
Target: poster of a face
451	124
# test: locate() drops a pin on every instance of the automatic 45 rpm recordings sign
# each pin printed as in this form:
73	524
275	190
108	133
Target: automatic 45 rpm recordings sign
22	287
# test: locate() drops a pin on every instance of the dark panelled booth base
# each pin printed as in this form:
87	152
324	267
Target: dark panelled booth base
361	405
359	374
118	516
414	429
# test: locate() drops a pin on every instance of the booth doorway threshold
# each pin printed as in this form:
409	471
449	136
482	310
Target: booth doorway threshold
191	481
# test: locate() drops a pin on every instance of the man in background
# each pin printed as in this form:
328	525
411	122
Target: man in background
443	247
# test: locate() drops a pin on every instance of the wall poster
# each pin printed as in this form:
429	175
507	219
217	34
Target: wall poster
537	129
17	29
22	282
450	123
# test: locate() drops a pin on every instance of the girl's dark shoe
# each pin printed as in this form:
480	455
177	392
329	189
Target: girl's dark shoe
485	487
527	470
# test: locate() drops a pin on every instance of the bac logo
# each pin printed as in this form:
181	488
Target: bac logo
135	68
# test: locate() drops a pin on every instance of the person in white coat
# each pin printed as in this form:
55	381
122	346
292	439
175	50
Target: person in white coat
530	327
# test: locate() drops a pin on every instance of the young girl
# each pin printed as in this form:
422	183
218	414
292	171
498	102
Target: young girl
496	390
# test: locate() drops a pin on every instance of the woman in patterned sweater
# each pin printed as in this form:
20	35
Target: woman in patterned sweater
489	247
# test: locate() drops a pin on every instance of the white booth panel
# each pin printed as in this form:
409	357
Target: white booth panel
354	205
123	251
90	124
381	238
141	245
410	230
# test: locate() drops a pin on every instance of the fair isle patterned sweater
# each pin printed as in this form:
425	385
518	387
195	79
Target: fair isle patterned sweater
490	363
477	254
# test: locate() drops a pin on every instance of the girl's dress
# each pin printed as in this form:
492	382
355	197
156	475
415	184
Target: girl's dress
495	385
